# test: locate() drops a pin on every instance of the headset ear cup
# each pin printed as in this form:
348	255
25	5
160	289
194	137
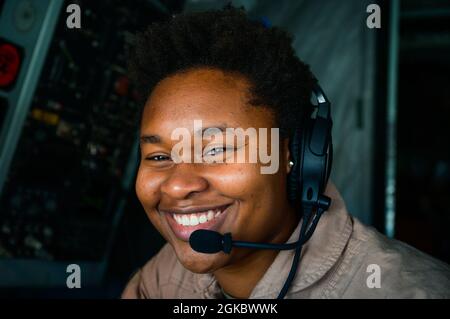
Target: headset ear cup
293	179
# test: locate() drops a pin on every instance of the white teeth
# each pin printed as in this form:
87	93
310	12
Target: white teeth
202	219
193	220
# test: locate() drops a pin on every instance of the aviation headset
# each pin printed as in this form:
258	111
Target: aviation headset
311	151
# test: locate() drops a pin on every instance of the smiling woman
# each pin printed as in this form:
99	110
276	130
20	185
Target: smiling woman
220	67
234	197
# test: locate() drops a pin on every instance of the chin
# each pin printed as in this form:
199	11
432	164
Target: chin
197	262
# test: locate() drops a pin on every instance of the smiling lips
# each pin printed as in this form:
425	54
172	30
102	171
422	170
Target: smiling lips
184	224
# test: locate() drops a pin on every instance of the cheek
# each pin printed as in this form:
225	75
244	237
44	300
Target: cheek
244	181
262	197
147	188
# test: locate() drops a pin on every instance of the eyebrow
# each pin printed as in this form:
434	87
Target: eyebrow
221	127
155	139
150	139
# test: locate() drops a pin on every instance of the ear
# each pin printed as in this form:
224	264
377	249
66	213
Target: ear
287	155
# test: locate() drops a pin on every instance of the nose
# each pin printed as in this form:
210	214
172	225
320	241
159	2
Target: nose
184	182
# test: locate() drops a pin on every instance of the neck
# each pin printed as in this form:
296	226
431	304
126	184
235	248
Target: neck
240	278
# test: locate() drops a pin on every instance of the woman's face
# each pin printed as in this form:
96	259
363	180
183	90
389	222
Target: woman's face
226	197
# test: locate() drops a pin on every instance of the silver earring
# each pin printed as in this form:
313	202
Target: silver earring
291	163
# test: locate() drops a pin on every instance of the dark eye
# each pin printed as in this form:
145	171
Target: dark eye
158	158
216	150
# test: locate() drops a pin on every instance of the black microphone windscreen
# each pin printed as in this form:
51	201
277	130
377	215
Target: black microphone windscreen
206	241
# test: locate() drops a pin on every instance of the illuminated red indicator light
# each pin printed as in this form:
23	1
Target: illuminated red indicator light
10	60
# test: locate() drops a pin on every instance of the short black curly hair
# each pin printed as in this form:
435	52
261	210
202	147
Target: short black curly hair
228	40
